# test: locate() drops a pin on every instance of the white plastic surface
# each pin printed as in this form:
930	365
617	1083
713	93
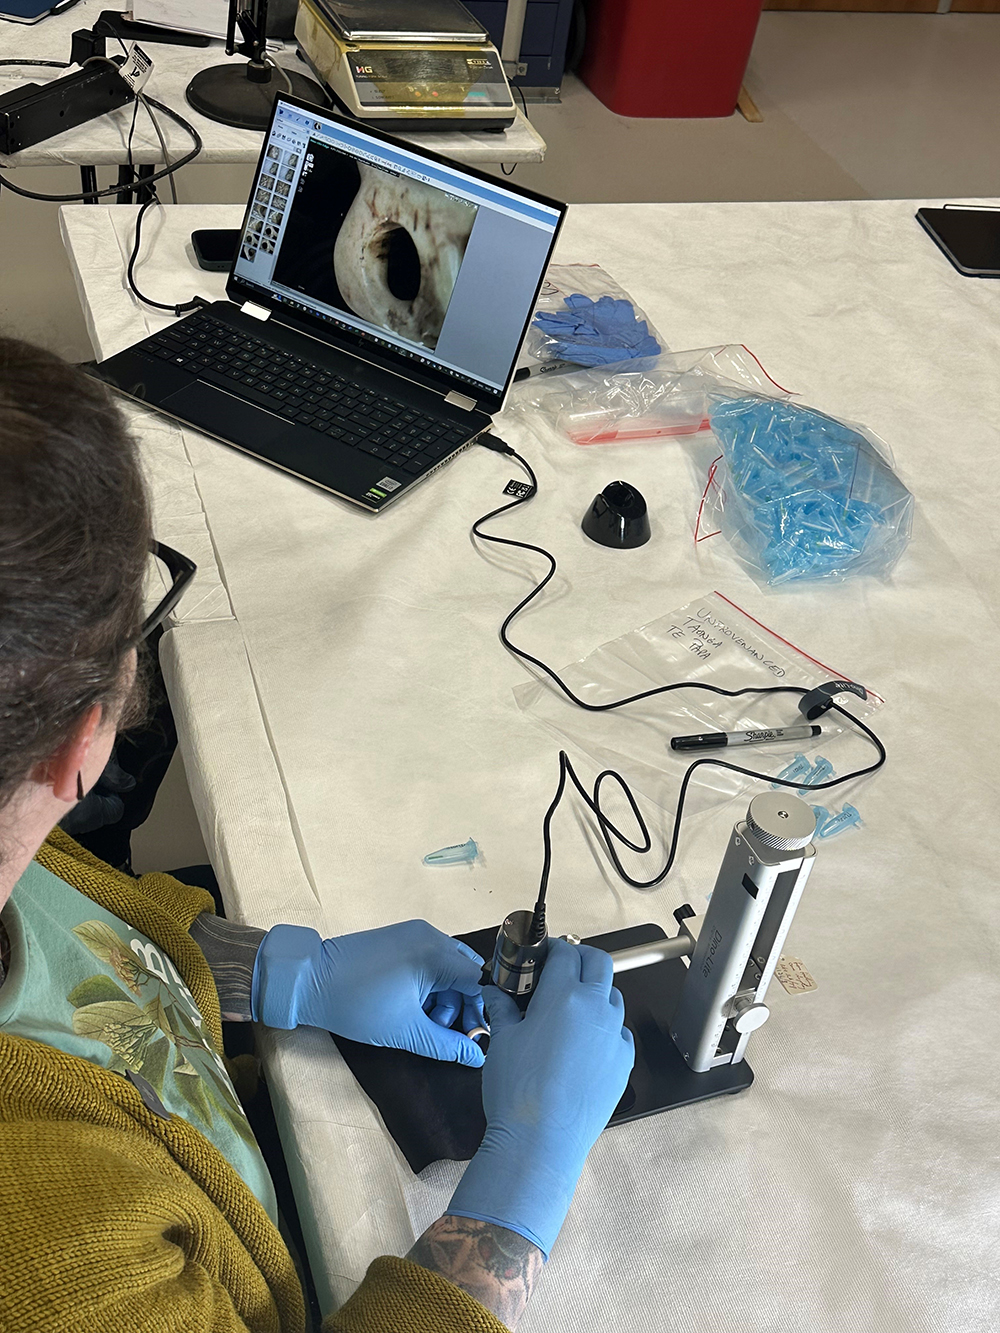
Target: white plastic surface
103	140
355	710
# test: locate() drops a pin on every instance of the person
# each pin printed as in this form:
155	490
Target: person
134	1194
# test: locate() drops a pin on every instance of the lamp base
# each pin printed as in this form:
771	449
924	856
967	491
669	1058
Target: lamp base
227	94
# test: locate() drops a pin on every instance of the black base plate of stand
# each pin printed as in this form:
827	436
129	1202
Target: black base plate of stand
224	93
661	1079
434	1110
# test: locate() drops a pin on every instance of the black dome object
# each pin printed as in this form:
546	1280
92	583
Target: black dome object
618	517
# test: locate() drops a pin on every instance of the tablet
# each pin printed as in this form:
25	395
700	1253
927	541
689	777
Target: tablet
970	237
26	11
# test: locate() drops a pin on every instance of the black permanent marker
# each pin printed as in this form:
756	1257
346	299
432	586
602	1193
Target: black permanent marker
717	740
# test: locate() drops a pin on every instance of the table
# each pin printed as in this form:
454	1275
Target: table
344	707
102	141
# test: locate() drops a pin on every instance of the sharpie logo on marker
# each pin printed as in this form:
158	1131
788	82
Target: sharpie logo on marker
716	740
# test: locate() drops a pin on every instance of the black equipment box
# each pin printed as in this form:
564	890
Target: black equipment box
37	111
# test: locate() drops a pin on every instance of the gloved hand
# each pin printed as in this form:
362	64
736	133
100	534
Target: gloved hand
399	986
550	1083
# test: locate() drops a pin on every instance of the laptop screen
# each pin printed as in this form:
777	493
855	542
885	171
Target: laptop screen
410	254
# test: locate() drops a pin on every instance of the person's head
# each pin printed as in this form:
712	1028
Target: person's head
74	546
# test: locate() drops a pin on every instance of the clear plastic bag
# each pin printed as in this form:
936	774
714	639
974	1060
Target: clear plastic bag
802	496
710	640
653	398
545	352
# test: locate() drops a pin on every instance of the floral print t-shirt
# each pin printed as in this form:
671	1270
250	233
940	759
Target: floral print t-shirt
87	983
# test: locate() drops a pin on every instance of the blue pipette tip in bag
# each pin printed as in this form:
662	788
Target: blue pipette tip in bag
848	818
465	853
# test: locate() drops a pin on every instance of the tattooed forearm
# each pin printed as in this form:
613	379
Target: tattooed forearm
230	951
496	1266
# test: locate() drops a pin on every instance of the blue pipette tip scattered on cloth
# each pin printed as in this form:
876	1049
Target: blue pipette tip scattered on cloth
795	771
848	818
823	817
819	772
464	853
597	333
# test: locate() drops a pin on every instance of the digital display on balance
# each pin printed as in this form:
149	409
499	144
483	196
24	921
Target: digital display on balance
444	76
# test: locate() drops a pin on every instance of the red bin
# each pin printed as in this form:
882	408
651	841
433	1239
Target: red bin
681	58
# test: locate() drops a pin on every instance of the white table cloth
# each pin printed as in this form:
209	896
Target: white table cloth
344	707
103	141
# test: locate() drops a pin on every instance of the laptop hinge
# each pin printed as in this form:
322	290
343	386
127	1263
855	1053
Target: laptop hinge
257	311
460	400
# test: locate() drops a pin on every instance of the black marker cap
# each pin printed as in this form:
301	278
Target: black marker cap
710	740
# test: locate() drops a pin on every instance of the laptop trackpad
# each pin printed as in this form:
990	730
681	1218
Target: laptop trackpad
227	417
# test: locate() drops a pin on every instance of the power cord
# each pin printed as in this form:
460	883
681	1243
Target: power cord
148	181
131	132
520	94
269	60
609	832
141	97
163	146
196	302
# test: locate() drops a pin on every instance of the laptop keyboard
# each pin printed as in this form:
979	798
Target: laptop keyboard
306	393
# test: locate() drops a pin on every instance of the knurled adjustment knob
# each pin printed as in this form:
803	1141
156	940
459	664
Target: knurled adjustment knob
781	821
748	1017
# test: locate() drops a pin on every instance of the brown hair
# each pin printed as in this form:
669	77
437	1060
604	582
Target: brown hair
74	543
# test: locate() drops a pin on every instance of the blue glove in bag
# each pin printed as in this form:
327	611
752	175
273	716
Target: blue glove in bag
550	1084
399	986
597	333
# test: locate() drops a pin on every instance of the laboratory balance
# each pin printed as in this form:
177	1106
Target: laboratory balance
406	64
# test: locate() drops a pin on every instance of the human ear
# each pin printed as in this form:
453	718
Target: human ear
70	761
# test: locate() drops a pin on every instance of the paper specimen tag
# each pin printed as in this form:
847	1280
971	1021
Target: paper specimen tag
792	974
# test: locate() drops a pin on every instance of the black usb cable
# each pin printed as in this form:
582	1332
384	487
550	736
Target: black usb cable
611	834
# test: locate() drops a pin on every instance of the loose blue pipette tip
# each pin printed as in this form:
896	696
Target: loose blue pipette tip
822	817
465	853
819	772
795	771
848	818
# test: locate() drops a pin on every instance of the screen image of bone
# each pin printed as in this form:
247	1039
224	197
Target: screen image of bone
383	246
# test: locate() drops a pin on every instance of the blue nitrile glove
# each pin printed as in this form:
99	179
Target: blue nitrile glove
596	333
550	1083
376	986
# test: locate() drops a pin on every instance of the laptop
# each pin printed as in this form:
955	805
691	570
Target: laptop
376	305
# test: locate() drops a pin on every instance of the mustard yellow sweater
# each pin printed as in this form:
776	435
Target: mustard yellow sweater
112	1218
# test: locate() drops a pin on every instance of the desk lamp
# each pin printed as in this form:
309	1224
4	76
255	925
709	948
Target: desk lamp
244	96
